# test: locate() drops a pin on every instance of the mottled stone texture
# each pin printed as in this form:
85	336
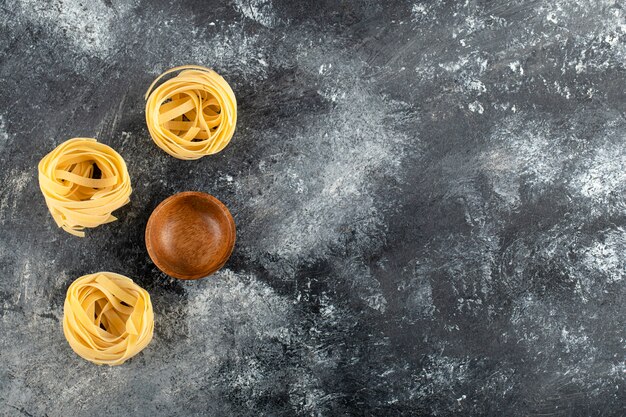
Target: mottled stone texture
429	198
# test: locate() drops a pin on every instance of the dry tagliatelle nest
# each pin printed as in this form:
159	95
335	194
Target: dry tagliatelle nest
107	318
83	182
192	114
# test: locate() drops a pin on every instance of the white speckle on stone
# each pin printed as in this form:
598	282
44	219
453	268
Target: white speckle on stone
563	91
260	11
476	107
231	49
4	135
11	192
87	24
618	369
325	69
439	374
516	66
551	17
473	24
520	150
456	65
611	39
607	256
574	340
336	157
477	85
603	174
418	9
332	93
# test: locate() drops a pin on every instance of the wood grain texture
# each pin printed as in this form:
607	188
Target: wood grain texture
190	235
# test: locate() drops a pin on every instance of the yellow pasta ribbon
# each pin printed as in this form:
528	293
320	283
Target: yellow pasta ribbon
107	318
83	182
192	114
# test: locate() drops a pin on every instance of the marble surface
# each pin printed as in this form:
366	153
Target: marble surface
429	198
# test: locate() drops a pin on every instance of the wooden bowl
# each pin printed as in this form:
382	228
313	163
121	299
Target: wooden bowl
190	235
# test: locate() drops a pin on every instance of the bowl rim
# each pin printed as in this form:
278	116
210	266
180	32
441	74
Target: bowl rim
173	198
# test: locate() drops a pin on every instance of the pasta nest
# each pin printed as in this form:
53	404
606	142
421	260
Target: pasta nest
83	182
192	114
107	318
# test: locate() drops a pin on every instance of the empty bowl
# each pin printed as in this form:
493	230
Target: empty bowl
190	235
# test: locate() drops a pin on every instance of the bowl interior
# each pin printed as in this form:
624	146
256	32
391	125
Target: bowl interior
190	235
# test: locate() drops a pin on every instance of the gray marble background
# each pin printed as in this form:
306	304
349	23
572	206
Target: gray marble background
429	198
